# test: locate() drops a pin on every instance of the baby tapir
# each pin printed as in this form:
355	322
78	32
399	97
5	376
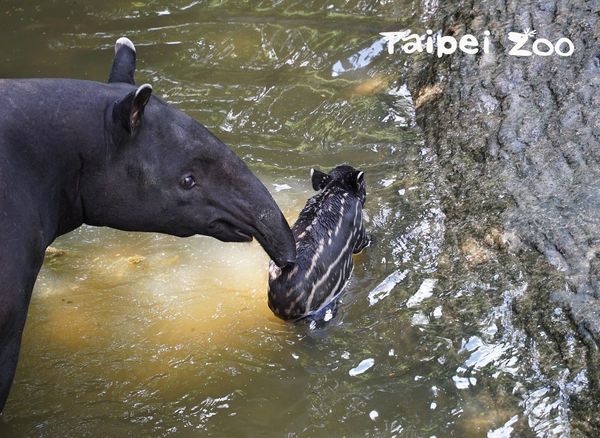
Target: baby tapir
328	231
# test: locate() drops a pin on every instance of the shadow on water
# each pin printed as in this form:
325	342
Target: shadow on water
140	333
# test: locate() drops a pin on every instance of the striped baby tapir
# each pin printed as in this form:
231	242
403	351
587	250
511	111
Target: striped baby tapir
329	230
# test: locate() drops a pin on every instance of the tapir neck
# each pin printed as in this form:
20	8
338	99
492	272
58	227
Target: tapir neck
54	131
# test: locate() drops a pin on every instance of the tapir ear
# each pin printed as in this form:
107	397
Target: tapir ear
123	67
359	179
129	110
319	179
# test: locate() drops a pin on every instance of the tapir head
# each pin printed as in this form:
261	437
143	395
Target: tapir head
165	172
347	177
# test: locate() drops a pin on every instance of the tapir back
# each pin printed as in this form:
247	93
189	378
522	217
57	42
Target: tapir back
329	230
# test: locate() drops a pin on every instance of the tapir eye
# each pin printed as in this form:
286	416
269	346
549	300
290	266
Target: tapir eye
188	182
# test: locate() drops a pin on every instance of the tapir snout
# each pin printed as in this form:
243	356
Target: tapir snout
246	210
274	235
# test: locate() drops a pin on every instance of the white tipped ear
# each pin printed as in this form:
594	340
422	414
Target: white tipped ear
145	89
123	66
129	110
142	96
359	184
123	41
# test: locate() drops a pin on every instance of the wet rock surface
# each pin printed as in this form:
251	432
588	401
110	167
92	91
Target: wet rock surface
517	142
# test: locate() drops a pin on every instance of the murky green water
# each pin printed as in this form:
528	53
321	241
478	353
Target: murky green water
138	334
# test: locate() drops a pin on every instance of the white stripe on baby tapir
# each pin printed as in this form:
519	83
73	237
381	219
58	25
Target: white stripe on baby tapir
313	262
324	277
318	283
293	272
336	291
315	257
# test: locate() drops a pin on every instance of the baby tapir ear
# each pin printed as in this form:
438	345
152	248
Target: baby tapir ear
359	179
319	179
129	110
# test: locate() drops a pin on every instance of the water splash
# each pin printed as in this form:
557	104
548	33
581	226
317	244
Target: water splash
383	289
362	367
424	292
361	59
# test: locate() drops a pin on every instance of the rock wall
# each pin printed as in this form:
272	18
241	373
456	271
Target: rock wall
518	141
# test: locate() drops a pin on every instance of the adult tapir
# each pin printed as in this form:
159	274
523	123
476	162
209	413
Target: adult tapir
79	152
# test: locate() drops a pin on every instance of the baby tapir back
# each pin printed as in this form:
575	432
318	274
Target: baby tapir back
328	231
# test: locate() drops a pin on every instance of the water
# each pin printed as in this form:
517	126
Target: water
154	335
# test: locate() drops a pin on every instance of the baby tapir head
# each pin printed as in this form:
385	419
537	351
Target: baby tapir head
346	177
